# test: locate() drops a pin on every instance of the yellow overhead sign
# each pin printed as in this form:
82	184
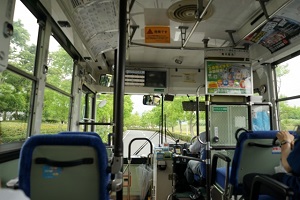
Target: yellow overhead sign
157	34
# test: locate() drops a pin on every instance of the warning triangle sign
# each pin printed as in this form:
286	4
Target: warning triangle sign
149	31
157	34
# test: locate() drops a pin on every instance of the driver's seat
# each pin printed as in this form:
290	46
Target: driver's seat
198	188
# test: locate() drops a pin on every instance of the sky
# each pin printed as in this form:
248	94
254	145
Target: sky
30	24
138	104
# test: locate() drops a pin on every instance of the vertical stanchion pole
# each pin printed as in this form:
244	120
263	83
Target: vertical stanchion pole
208	152
119	87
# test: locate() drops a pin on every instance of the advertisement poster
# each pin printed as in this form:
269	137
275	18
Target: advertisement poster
276	33
230	78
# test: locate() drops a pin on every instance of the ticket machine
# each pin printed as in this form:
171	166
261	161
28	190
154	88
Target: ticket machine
162	173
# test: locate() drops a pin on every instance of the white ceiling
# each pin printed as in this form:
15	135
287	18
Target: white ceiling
222	15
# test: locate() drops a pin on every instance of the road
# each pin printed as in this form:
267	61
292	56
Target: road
151	135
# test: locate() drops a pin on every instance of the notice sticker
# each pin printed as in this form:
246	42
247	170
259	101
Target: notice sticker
276	150
51	172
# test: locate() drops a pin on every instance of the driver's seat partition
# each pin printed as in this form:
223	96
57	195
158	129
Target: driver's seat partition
64	166
254	153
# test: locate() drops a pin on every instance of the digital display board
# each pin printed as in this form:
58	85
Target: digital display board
146	78
134	78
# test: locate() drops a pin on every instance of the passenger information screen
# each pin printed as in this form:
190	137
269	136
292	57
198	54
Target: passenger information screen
144	78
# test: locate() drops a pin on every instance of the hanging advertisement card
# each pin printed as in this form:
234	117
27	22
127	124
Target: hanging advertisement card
228	78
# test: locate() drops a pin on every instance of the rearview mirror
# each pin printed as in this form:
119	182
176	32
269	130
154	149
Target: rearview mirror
192	106
151	100
105	80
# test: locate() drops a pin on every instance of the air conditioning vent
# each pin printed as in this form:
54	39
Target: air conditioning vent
184	11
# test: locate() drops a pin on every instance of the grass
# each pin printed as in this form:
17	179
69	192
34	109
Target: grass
16	131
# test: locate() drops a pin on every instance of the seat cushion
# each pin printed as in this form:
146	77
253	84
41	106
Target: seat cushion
265	197
221	175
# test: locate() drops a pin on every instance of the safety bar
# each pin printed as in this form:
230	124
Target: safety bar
129	147
145	143
214	168
261	180
110	138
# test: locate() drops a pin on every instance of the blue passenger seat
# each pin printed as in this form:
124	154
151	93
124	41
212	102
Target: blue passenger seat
262	180
64	166
80	133
254	153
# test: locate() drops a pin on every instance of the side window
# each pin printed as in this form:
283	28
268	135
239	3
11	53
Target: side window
57	96
287	74
15	93
17	80
24	41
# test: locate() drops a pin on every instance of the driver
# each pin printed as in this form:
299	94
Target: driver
193	166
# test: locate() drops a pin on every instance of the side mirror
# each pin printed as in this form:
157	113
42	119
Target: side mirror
151	100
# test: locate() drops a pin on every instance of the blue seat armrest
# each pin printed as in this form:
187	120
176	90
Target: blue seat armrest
215	159
260	180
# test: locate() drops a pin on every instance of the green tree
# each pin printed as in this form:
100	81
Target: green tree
60	69
289	115
281	70
10	101
152	118
134	121
15	90
105	114
56	106
128	107
174	112
20	37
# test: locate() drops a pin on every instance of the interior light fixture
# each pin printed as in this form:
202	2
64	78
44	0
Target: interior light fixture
98	24
179	60
64	24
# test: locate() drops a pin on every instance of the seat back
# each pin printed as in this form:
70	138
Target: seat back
64	166
81	133
109	149
254	153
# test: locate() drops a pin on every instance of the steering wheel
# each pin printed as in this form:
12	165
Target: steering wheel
201	142
237	133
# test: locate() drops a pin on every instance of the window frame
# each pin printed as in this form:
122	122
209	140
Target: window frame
11	151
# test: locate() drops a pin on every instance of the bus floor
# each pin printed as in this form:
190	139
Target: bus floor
193	193
188	195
